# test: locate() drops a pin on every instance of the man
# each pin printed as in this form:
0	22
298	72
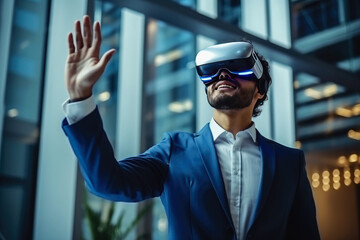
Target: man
225	182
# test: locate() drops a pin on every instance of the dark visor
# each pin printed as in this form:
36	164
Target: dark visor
235	65
238	67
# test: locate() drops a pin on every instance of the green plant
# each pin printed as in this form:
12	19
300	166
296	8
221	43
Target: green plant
103	228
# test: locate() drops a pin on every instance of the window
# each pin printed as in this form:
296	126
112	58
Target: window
93	208
328	30
230	11
168	94
22	118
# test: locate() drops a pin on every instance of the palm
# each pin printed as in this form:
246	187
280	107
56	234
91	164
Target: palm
82	69
84	66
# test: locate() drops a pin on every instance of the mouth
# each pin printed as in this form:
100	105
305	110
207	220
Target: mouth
225	85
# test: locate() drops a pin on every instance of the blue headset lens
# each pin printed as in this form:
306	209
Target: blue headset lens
247	74
240	67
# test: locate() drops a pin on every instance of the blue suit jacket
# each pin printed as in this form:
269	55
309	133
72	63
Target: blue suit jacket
183	170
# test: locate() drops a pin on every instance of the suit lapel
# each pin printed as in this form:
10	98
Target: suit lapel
268	159
205	144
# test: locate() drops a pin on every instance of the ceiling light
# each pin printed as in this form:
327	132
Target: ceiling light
13	113
104	96
179	107
341	160
313	93
354	134
330	90
167	57
344	112
353	158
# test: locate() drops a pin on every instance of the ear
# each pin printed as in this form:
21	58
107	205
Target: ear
259	96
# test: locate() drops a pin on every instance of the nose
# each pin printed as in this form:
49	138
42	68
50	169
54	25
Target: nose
224	74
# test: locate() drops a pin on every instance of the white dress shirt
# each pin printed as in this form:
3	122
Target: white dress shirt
241	167
75	111
239	159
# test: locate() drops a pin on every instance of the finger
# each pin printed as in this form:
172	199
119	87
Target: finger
97	37
87	31
78	36
105	59
71	45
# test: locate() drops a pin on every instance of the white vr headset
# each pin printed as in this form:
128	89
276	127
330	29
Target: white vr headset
238	58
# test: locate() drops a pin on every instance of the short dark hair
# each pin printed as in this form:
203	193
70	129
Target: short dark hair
265	77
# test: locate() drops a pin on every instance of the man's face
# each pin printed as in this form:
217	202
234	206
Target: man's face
231	92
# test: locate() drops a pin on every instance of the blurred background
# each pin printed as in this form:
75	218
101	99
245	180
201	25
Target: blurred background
150	86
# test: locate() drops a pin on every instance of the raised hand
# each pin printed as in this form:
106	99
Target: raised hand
84	66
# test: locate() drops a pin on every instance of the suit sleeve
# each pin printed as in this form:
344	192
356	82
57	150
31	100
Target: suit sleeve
132	179
302	223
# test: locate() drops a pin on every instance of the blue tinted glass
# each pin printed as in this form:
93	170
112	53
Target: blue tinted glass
230	11
169	93
22	106
105	94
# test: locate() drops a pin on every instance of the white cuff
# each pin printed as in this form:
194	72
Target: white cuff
75	111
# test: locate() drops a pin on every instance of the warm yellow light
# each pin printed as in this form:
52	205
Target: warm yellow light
104	96
354	134
326	187
336	175
152	28
353	158
347	174
315	184
168	57
179	107
330	90
357	176
347	181
336	185
315	176
357	180
336	172
356	109
298	144
326	174
296	84
344	112
336	178
310	92
341	160
325	181
357	172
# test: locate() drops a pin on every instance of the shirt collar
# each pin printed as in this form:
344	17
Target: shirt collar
217	130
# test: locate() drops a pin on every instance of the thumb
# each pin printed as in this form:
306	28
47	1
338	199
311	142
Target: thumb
106	58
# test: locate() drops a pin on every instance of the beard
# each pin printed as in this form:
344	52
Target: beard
241	99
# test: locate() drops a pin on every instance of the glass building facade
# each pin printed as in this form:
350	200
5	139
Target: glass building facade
150	87
21	99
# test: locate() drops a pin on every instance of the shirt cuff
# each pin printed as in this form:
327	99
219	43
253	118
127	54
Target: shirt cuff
75	111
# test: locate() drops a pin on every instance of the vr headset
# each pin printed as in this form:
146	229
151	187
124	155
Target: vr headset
238	58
